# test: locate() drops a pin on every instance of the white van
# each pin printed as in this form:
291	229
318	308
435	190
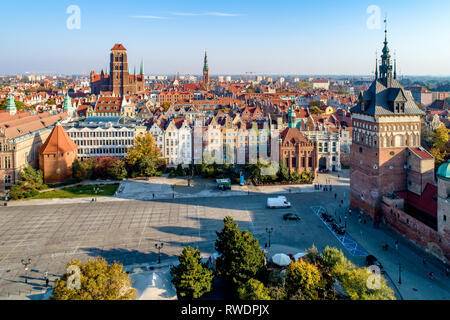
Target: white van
278	202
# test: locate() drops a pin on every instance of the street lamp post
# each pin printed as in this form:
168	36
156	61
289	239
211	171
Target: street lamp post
269	231
159	247
26	263
399	273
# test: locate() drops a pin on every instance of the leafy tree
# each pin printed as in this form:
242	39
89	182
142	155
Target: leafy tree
316	103
440	137
98	281
355	280
145	157
166	106
304	85
304	277
116	169
28	184
283	173
241	257
83	170
315	110
19	105
253	290
191	278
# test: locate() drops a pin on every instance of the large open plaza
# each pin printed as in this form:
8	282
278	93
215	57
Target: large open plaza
127	230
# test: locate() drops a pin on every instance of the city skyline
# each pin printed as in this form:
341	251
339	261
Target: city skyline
263	38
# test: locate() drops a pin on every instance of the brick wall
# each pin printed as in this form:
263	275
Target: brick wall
418	232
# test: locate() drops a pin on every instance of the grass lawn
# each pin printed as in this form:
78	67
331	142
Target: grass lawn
79	192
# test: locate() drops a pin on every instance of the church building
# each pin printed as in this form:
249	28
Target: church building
119	82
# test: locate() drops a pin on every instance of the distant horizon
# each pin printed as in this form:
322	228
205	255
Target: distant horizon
292	37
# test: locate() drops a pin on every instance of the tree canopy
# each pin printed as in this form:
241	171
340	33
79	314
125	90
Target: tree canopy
145	157
94	280
241	257
191	277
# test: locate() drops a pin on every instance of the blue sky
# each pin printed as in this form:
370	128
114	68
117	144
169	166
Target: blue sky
264	37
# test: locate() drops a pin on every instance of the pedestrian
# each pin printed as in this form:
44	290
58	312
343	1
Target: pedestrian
335	195
350	212
396	244
340	220
46	282
339	176
153	196
431	275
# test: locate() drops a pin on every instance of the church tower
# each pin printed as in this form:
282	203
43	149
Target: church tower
386	122
206	73
119	70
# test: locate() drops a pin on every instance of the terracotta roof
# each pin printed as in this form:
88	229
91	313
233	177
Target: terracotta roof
421	153
293	134
118	46
58	142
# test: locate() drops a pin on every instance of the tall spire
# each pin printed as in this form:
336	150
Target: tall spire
205	64
376	66
385	67
142	67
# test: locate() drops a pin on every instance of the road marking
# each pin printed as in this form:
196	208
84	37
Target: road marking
347	241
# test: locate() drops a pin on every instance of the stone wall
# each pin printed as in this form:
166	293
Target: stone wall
418	232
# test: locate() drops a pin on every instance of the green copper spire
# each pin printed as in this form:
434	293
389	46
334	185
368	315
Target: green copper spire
11	104
291	117
67	106
205	64
142	67
134	71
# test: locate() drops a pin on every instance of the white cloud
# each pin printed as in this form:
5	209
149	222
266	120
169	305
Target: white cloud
147	17
217	14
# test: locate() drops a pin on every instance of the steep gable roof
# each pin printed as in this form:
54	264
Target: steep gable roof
58	142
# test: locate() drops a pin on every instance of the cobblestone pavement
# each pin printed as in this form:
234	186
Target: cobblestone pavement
127	231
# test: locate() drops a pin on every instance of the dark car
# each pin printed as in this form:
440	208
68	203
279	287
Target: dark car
291	216
327	217
373	261
338	228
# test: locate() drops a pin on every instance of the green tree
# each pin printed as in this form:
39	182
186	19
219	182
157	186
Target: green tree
440	137
28	185
241	257
191	278
97	281
315	110
145	157
304	85
283	172
253	290
356	280
83	170
19	105
116	169
304	277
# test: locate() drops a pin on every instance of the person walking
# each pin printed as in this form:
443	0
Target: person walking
431	275
396	244
335	196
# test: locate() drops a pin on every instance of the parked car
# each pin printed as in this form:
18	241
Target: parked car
291	216
371	260
327	217
338	228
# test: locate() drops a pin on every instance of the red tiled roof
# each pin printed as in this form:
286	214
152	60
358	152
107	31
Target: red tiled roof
58	142
118	46
421	153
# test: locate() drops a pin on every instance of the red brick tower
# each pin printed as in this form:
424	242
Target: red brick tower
386	121
119	70
56	156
